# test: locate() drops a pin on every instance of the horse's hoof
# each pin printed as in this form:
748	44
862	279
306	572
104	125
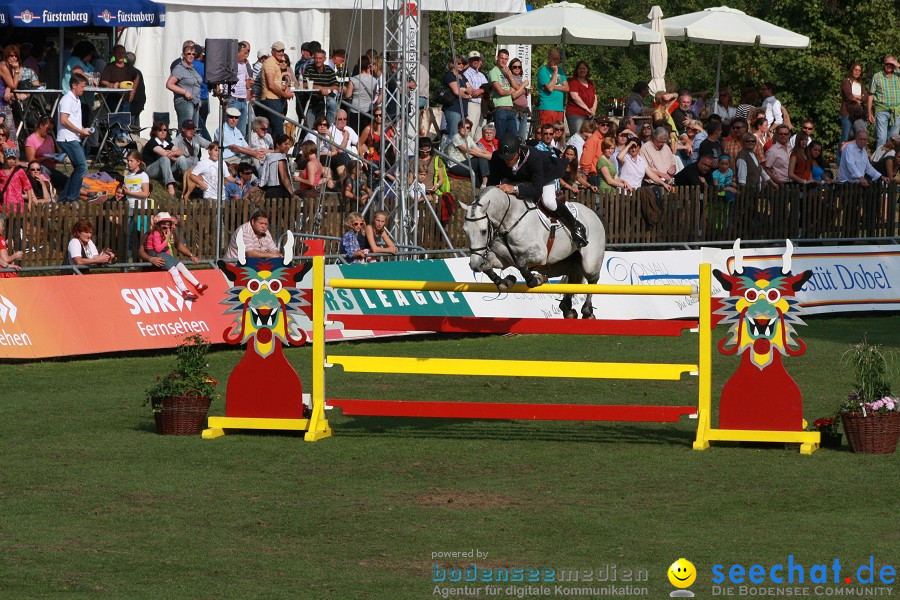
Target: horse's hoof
570	314
541	279
502	285
588	316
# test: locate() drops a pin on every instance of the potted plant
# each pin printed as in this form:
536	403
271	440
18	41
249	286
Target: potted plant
180	400
828	427
870	415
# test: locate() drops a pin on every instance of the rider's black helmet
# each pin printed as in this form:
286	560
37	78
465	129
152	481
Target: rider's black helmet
508	146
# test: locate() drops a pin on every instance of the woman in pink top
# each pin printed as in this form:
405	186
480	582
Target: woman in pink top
39	145
14	183
160	245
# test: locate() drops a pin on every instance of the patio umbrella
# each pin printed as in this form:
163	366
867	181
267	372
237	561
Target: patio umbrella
563	23
727	26
659	54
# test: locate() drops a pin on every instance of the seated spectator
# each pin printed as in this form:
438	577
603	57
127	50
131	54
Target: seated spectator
377	237
466	154
488	141
623	136
160	245
274	174
5	142
343	136
590	154
356	191
559	131
733	142
663	105
581	136
606	168
354	246
697	173
749	171
572	180
698	136
40	183
855	166
6	259
712	145
14	183
819	169
884	159
82	253
778	156
645	133
159	154
207	174
260	139
634	168
311	175
634	105
258	242
39	146
242	184
190	145
235	146
326	149
544	140
683	115
370	138
659	156
800	165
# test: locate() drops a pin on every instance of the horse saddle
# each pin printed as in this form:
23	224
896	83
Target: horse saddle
548	219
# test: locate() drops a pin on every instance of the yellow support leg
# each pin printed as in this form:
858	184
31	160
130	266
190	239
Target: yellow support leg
318	424
704	379
212	433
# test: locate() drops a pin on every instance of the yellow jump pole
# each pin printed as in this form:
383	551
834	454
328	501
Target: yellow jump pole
318	424
550	288
704	394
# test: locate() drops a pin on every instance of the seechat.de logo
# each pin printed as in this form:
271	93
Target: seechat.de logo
8	310
154	300
682	575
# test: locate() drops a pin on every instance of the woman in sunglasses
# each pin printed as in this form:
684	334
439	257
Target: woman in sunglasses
39	146
260	138
354	246
40	183
521	97
455	110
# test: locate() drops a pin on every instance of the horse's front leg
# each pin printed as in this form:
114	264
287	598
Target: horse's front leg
565	306
587	309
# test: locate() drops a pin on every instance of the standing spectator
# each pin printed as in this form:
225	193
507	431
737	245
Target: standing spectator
712	145
139	99
69	132
159	154
733	144
118	73
184	83
361	92
683	115
664	103
855	166
455	111
581	136
659	157
545	141
808	128
884	159
634	105
853	93
606	169
884	97
256	74
778	156
81	251
819	169
240	92
260	139
749	172
235	146
552	87
521	97
274	96
306	49
324	81
502	90
723	179
591	153
377	236
136	183
14	183
39	147
776	114
749	98
698	136
582	97
258	242
200	67
190	145
338	62
274	174
800	165
207	174
723	107
476	80
697	173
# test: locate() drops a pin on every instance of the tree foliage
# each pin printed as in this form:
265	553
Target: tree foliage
808	81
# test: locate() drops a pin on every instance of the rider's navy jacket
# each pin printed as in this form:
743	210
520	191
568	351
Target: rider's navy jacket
531	173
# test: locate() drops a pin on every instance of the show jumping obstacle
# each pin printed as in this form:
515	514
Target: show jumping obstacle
317	426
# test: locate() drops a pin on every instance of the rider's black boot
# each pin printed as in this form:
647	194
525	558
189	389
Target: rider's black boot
565	216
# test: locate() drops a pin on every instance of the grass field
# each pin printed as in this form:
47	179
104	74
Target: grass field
95	504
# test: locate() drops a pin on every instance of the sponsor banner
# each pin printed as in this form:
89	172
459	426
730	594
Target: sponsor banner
43	317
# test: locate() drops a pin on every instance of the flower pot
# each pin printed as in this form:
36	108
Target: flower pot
875	433
831	440
181	415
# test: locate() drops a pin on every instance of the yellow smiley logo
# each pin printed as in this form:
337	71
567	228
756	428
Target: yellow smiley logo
682	573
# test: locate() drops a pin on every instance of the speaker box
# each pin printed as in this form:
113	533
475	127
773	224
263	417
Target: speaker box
221	61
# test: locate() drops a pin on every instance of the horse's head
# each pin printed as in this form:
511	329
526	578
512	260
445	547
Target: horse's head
480	232
761	308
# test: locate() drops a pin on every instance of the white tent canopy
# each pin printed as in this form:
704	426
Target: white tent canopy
261	22
563	23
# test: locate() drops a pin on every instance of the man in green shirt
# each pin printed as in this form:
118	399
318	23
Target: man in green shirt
502	95
884	94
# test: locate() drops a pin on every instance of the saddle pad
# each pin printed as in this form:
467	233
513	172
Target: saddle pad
545	220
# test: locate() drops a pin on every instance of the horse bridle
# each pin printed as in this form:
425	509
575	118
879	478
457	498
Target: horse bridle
494	231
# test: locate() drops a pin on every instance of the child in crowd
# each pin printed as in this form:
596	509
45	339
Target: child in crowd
14	183
723	179
420	190
354	246
160	245
356	191
136	186
6	259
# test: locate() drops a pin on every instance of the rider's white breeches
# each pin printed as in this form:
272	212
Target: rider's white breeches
548	196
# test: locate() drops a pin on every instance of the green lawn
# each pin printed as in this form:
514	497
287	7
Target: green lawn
94	504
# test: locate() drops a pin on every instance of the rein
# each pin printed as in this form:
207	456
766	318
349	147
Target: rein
495	230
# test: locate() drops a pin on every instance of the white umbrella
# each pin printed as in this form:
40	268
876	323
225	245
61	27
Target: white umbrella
566	23
727	26
659	54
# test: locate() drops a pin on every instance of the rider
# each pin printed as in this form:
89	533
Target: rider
532	174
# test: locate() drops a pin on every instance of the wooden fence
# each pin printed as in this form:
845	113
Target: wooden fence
687	216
